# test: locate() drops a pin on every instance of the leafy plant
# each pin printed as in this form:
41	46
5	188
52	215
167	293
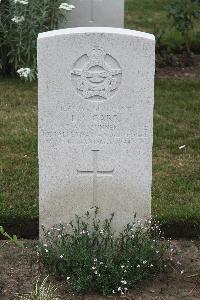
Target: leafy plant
183	14
20	23
159	33
13	238
43	291
91	257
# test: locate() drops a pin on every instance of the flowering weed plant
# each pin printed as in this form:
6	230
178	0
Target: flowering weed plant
91	257
20	23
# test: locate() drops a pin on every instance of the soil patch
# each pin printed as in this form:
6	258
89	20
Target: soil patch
20	270
188	72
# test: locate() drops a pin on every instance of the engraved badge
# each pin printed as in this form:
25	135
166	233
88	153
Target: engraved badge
96	75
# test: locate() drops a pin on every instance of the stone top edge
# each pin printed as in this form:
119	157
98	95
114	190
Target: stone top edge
79	30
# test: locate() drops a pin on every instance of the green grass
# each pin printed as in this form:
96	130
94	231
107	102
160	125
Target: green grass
18	147
146	15
176	185
176	181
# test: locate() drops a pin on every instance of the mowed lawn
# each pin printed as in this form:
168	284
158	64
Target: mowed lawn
176	184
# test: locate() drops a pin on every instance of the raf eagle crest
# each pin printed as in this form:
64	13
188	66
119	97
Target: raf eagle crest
96	75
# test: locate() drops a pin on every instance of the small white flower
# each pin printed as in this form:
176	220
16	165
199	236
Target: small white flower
138	266
46	250
59	236
68	278
119	289
95	259
93	268
122	266
83	232
61	256
182	271
17	19
66	6
101	231
101	263
144	262
24	72
24	2
45	245
113	292
151	265
125	289
157	251
181	147
95	272
123	281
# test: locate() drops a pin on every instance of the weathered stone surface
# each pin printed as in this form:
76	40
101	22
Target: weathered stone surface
96	94
108	13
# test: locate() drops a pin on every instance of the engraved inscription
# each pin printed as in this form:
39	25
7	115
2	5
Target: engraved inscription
95	173
95	127
96	75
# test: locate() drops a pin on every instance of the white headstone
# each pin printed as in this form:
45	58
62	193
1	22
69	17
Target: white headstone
108	13
96	95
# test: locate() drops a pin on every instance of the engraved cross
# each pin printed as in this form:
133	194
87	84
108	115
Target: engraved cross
95	173
91	11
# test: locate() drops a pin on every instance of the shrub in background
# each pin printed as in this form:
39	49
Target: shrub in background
20	23
91	257
183	14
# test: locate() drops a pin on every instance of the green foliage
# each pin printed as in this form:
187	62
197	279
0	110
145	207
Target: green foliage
145	15
13	238
20	23
91	257
183	14
43	291
159	33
